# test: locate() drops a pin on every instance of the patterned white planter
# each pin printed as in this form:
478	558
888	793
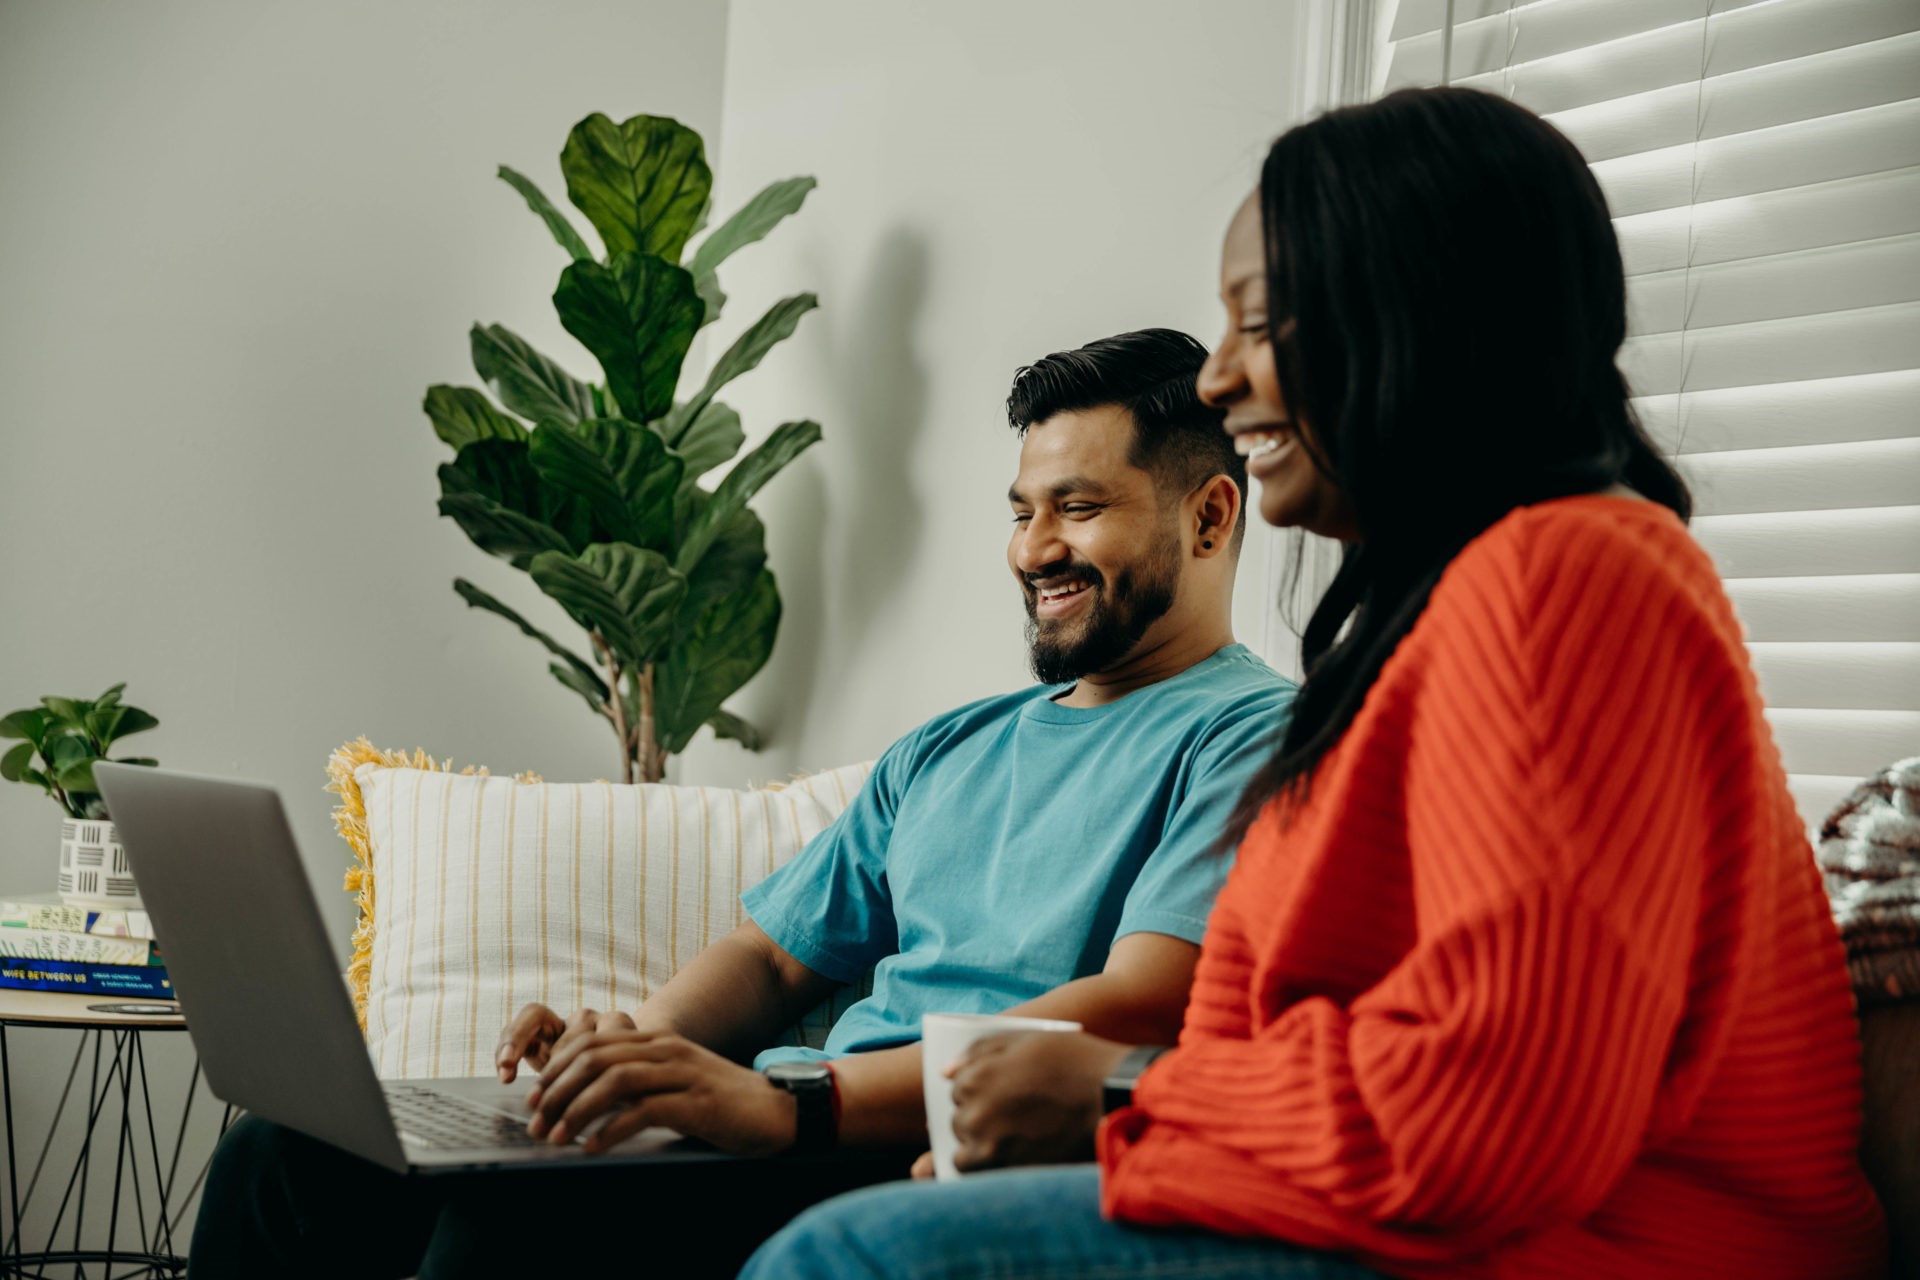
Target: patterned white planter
93	867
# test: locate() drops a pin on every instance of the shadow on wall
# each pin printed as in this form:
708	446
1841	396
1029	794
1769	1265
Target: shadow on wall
873	440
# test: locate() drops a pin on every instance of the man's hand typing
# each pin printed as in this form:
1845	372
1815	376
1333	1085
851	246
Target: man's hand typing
639	1079
536	1032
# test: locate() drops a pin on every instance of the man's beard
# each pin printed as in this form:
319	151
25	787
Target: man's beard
1120	615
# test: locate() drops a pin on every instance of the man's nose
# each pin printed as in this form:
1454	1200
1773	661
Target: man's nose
1039	545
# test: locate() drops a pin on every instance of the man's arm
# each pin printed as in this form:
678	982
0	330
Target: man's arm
1139	998
657	1075
737	996
733	998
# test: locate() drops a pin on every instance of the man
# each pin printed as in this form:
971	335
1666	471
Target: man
1049	852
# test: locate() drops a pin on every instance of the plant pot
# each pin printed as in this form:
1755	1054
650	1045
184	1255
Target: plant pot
93	867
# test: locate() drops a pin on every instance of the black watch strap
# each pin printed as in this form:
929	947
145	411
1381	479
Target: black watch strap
815	1101
1117	1089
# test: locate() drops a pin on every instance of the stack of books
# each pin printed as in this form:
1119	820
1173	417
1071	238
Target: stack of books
46	945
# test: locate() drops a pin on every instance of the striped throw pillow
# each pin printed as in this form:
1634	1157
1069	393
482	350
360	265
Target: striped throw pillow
479	894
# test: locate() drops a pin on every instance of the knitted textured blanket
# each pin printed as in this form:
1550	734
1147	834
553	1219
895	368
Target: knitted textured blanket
1870	856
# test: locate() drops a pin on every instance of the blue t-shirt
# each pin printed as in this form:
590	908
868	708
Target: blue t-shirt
999	850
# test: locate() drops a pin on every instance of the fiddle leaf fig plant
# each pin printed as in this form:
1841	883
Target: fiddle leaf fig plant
594	489
64	739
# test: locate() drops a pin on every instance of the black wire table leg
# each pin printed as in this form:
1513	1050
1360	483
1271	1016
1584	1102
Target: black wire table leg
153	1254
122	1051
10	1239
162	1231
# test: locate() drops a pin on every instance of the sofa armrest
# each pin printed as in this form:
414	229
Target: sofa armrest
1890	1138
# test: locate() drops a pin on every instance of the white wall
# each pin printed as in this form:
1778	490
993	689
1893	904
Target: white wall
237	242
997	180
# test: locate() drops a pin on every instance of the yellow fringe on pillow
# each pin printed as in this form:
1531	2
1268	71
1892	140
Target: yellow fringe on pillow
350	820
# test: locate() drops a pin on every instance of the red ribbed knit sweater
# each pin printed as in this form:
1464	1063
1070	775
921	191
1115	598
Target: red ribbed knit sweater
1540	981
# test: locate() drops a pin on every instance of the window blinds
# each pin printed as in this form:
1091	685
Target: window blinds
1762	160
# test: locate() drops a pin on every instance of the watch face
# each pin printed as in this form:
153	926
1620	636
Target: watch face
798	1072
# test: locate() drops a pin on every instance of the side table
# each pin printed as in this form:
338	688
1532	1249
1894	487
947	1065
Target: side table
119	1066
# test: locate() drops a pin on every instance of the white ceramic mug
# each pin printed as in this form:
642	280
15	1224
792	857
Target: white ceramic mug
944	1038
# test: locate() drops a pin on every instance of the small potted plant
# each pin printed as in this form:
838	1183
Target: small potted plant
64	739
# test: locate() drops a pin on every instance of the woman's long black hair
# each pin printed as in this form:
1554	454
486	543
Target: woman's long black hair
1445	301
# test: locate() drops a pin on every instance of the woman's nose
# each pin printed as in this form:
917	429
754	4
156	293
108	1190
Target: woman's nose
1220	379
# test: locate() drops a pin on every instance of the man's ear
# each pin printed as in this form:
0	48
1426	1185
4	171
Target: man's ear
1215	513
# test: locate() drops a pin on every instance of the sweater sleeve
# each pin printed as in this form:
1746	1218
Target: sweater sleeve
1501	1079
1503	1075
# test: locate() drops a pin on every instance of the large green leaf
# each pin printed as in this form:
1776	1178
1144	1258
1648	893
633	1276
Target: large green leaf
726	647
132	720
15	765
29	723
725	724
625	594
750	222
643	183
67	713
557	223
526	381
65	752
503	470
746	353
624	473
586	681
735	558
710	439
638	317
787	442
498	531
77	776
461	415
107	723
493	492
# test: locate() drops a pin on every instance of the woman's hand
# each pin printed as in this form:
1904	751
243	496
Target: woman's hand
1031	1097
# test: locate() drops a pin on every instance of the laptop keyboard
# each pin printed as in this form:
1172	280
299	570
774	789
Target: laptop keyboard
437	1120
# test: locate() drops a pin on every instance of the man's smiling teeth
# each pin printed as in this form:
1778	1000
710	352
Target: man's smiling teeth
1257	444
1062	591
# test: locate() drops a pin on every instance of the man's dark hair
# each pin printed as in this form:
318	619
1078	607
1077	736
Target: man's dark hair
1151	374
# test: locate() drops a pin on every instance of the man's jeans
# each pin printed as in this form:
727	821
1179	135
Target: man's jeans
1034	1224
280	1204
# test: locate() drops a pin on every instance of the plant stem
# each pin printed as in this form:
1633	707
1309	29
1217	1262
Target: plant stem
653	762
620	728
59	793
616	705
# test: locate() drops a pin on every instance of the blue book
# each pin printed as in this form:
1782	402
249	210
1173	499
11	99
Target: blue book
146	981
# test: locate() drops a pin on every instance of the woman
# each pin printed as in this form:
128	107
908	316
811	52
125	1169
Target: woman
1524	967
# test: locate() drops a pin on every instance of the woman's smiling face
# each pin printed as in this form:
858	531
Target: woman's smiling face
1242	377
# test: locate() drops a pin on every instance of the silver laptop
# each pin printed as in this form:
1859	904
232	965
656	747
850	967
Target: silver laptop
267	1007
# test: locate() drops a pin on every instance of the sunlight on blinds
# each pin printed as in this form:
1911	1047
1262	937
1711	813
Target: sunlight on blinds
1762	159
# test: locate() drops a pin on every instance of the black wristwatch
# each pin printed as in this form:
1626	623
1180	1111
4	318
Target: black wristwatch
1116	1091
815	1100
